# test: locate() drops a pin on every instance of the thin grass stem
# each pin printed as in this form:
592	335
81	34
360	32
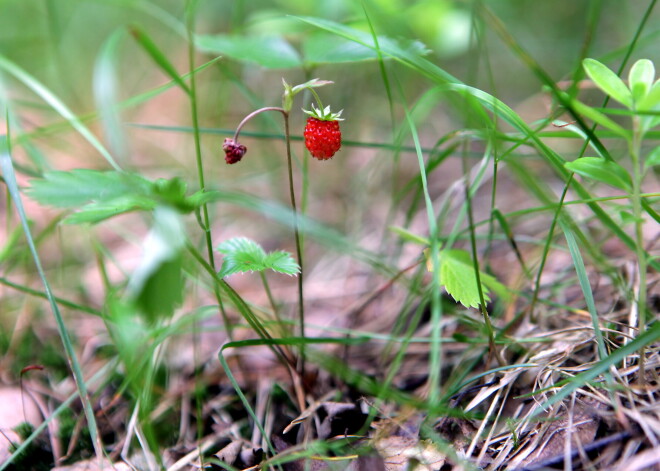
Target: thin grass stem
296	233
200	165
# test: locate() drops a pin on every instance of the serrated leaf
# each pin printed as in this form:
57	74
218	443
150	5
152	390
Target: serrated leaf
244	255
78	187
272	52
459	280
608	81
282	262
94	213
605	171
640	79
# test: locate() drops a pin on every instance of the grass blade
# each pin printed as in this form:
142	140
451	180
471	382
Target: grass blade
10	181
585	285
158	57
75	122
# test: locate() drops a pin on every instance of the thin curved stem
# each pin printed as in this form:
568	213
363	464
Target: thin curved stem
255	113
296	231
317	98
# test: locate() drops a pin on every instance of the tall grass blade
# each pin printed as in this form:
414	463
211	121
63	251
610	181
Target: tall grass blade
583	278
436	307
158	57
106	91
75	122
10	181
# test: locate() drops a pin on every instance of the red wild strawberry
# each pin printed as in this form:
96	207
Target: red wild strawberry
322	133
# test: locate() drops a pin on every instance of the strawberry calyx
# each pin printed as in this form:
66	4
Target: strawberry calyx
324	114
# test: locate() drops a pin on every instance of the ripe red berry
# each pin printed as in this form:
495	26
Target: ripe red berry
322	138
322	133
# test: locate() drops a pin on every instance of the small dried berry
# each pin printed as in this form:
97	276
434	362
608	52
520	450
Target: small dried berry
234	151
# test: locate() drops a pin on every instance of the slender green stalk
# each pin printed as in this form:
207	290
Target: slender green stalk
12	185
473	246
190	20
271	299
296	231
635	146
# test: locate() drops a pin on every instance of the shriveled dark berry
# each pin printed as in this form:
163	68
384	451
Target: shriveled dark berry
234	151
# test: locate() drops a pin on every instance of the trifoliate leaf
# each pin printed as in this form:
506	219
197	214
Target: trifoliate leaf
244	255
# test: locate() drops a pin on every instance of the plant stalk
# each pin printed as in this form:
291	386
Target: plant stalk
296	231
635	147
200	169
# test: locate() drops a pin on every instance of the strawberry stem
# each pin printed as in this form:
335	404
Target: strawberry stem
296	232
317	98
255	113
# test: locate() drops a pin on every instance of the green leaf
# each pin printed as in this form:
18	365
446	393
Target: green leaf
608	81
158	57
103	194
605	171
324	48
244	255
272	52
598	117
9	178
96	212
653	158
156	285
587	292
408	236
640	79
173	193
458	277
409	53
652	98
78	187
55	103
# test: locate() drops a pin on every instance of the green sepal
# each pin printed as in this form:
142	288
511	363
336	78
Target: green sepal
325	114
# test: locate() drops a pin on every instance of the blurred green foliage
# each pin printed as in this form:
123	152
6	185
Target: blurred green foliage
58	40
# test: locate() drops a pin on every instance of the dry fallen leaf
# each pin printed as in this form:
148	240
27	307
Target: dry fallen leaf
401	453
93	465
